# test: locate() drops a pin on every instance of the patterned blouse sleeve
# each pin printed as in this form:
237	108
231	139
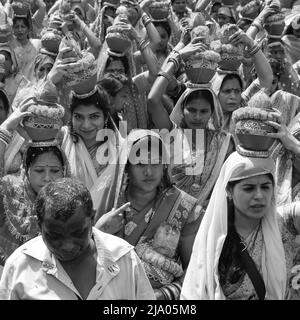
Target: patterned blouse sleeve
291	217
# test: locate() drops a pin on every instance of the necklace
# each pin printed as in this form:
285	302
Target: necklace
249	241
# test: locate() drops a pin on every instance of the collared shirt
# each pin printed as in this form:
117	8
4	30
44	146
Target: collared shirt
33	273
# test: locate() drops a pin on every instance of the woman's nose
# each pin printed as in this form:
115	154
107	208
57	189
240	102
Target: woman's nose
148	170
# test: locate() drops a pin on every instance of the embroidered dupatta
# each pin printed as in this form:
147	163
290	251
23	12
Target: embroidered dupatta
172	207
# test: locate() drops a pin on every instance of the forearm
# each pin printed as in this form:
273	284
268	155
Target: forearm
152	32
151	61
263	69
5	139
202	4
159	115
93	41
54	7
39	15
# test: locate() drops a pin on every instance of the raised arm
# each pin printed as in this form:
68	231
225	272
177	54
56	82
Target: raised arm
94	42
261	64
202	5
166	80
7	128
152	32
39	15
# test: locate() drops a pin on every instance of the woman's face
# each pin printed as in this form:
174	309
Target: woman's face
67	240
197	114
120	99
47	167
145	177
252	197
277	52
3	113
222	19
164	38
43	70
116	67
179	6
87	120
230	95
145	170
21	31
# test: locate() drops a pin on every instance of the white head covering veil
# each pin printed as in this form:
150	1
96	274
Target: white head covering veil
202	279
217	115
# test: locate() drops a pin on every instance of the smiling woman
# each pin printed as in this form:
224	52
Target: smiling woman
89	116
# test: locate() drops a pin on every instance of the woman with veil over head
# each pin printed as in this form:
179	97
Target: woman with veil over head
150	213
43	161
245	246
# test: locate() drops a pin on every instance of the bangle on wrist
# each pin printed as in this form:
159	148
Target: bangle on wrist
257	25
165	75
5	136
145	19
253	50
142	44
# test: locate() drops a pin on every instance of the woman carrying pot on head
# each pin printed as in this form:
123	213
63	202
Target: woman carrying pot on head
153	215
199	152
228	85
243	246
41	163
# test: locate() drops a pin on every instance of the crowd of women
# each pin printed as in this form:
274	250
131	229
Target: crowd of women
150	149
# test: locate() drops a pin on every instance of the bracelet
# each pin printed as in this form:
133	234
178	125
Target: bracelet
142	44
165	75
166	293
145	19
174	59
252	51
257	25
5	136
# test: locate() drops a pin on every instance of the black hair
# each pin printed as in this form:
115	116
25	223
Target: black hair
32	153
232	76
199	94
60	199
5	101
123	59
111	84
99	99
165	25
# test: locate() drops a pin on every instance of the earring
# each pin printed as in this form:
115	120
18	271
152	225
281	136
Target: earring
105	123
229	196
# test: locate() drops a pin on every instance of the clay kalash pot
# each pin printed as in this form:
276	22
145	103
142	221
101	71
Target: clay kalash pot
117	38
159	10
250	124
50	40
47	116
275	24
130	9
231	56
202	66
251	9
